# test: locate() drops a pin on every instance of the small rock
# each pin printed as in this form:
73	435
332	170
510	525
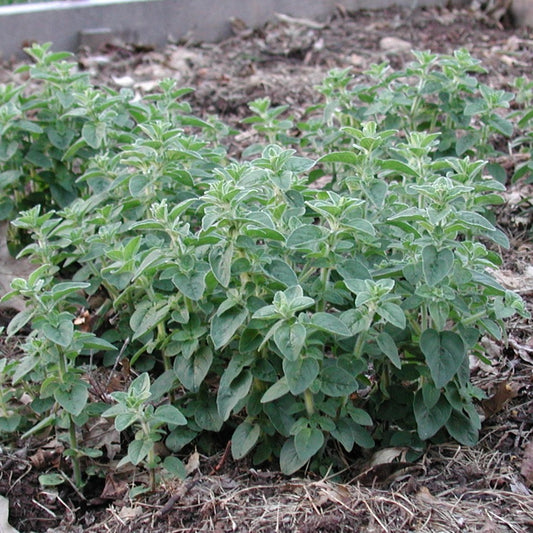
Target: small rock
394	44
357	61
124	81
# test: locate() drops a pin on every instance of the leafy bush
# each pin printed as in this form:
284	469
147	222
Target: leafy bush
246	297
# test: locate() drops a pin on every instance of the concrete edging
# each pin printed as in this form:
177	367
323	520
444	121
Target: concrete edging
153	21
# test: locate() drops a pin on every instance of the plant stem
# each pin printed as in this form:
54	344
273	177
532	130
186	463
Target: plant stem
73	440
151	469
324	277
309	402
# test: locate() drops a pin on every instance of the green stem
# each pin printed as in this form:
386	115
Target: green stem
425	317
73	440
361	338
324	278
474	318
309	403
163	340
151	469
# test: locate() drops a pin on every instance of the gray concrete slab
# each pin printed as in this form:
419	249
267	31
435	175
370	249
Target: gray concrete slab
154	21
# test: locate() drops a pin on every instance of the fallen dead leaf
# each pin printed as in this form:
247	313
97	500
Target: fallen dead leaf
527	464
114	489
193	463
503	393
129	513
386	455
425	496
394	44
4	517
49	456
102	434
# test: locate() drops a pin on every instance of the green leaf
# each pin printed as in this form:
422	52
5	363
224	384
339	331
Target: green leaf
220	259
399	167
279	389
501	125
348	158
439	312
168	414
282	272
472	219
465	142
337	382
51	480
344	433
289	460
444	353
72	397
192	371
231	392
19	321
175	466
9	424
430	394
62	333
299	164
123	420
462	429
91	342
429	421
300	374
224	326
8	177
179	437
279	414
307	442
387	345
393	314
140	387
192	284
60	139
359	416
206	416
363	437
244	439
146	317
436	264
7	208
137	451
331	324
93	134
305	237
290	339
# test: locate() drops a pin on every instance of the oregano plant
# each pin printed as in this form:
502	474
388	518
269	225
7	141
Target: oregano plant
247	299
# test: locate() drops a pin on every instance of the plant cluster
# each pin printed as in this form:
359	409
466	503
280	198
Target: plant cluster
243	296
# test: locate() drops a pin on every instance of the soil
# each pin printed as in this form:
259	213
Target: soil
485	489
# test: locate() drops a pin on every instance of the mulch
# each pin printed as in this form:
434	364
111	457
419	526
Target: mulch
484	489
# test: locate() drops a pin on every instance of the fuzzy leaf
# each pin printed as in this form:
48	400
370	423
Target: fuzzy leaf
444	353
224	326
307	442
429	421
289	460
244	439
436	264
300	374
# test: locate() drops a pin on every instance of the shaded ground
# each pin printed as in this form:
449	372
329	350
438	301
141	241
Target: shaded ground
450	489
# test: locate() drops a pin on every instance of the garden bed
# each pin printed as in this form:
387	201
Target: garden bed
451	488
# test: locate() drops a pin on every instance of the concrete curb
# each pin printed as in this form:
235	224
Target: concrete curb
70	22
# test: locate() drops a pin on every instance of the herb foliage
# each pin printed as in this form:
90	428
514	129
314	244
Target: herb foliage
247	297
